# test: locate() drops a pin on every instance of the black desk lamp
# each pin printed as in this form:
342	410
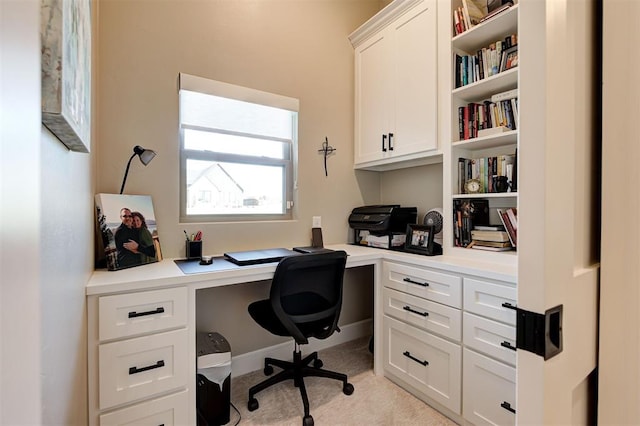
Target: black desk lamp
146	155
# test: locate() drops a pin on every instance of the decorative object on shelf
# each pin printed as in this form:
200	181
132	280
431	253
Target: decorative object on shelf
501	183
472	186
420	240
435	218
146	155
326	150
509	58
128	232
66	71
468	213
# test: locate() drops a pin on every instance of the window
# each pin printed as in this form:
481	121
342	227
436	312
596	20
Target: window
237	155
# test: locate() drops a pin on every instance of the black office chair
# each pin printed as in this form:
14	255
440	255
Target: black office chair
305	301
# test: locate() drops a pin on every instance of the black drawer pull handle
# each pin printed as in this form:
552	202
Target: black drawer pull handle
408	355
390	141
135	370
135	314
409	280
507	407
507	345
509	306
384	140
408	308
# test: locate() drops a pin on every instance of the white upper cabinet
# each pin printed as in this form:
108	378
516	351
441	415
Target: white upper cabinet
396	87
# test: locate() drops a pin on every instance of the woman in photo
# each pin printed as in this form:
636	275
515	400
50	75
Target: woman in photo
147	249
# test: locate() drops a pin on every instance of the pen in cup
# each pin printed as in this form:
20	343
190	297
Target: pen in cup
186	235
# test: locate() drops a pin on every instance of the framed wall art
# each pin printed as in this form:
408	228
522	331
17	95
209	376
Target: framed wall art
66	71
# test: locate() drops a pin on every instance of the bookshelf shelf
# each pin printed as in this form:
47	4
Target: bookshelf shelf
506	80
485	195
486	142
487	32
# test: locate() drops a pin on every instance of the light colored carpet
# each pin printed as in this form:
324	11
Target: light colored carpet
375	401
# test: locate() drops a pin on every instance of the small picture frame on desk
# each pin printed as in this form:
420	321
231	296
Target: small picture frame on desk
420	239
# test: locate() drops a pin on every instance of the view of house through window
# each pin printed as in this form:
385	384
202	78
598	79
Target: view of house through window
237	152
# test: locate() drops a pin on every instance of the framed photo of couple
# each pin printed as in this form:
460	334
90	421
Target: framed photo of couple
127	231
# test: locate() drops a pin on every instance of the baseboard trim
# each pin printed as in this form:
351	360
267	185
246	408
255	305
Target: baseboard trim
253	361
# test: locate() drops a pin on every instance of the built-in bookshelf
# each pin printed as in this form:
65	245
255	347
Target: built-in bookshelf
484	129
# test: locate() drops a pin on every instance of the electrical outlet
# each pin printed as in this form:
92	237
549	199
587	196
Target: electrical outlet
317	222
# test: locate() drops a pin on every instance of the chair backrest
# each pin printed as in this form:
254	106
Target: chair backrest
306	293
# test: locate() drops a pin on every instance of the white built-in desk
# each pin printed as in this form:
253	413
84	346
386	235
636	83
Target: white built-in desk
142	329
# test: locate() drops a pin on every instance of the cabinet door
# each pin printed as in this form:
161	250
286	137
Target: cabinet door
414	76
372	93
489	391
426	362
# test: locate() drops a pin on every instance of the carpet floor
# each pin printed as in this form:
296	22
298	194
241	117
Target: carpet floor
375	402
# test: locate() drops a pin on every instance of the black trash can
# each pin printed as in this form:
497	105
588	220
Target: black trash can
213	379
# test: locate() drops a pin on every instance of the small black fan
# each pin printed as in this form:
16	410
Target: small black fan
434	218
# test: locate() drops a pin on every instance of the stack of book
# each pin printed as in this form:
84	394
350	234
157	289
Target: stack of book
492	238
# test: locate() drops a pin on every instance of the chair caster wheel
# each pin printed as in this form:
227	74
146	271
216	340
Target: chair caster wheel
268	370
348	389
252	405
318	363
307	421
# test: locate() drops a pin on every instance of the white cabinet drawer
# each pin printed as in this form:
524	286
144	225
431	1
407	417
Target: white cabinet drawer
424	361
131	314
490	337
172	410
430	316
142	367
489	391
425	283
486	299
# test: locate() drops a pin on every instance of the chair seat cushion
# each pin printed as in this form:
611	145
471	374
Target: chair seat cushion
298	304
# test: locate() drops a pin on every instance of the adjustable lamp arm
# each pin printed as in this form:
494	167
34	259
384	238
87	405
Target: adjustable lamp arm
124	180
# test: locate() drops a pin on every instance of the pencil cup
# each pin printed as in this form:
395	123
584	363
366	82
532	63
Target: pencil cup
193	249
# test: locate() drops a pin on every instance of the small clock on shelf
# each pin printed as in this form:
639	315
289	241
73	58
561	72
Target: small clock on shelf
472	186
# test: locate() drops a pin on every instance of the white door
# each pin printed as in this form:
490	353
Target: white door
558	251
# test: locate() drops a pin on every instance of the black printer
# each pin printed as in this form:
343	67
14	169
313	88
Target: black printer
382	222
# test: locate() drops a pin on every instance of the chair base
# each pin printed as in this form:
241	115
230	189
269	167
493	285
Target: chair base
297	371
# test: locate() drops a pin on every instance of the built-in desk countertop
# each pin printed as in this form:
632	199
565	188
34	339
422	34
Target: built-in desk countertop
166	273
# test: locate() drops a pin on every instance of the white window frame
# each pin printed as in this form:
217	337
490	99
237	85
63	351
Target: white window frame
221	89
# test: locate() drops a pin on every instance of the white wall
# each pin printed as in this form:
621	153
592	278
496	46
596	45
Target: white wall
46	257
20	189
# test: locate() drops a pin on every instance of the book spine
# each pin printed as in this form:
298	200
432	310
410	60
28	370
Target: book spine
461	175
490	175
466	122
461	123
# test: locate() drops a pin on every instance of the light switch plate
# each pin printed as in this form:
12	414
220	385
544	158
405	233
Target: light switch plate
317	222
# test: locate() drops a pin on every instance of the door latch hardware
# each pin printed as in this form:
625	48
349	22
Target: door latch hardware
540	334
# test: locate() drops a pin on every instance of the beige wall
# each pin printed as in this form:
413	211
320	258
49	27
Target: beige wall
619	351
294	48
